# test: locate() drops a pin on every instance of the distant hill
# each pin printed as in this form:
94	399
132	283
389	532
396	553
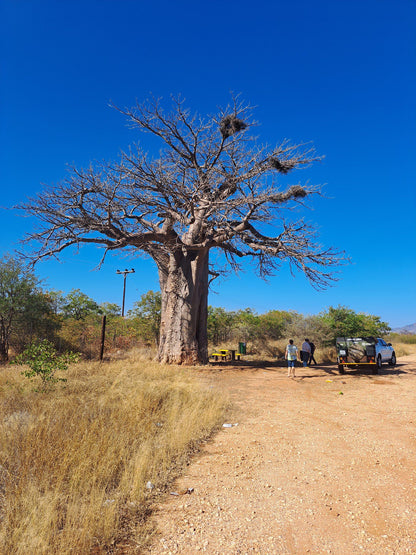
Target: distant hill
411	328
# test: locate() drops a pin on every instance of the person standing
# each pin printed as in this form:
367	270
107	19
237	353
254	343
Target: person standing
312	358
291	355
305	352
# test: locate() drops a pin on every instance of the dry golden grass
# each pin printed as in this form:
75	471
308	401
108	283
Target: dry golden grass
75	461
403	349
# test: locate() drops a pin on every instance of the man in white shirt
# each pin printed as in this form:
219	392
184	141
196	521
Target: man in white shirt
305	352
291	355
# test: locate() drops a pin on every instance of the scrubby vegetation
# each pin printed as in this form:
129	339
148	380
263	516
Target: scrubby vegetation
404	344
409	339
262	332
76	461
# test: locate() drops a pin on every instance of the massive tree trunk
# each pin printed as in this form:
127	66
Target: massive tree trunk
183	328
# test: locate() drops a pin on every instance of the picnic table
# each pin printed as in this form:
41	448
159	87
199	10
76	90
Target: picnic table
226	354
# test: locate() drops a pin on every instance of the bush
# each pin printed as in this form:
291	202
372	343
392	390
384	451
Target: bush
44	361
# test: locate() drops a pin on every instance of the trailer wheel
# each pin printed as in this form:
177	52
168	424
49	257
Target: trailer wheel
341	369
378	365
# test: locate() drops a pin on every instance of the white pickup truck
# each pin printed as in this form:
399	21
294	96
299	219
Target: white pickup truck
360	351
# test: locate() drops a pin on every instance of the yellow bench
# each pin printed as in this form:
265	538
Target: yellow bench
226	354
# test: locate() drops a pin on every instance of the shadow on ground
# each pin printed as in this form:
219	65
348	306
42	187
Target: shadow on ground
327	367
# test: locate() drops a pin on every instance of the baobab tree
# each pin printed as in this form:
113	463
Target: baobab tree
211	187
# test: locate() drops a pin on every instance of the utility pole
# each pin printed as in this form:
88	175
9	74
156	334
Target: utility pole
124	273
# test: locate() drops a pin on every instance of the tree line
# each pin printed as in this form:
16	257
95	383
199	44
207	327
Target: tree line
29	312
261	330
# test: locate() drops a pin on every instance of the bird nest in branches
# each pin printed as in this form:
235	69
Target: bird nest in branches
282	166
297	191
231	124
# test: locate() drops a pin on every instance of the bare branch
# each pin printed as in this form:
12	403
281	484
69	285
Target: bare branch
212	187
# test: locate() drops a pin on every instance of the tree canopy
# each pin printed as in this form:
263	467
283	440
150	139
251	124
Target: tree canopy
24	307
78	305
147	314
342	321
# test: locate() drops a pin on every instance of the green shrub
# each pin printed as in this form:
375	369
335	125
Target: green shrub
44	361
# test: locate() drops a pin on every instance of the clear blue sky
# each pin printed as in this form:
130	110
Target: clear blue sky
339	73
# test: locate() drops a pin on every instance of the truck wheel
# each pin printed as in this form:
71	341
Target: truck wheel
341	369
392	361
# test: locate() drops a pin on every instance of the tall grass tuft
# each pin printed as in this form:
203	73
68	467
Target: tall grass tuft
74	462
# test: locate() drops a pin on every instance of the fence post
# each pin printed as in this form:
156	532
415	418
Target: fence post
102	337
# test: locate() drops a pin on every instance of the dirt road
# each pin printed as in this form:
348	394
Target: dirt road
323	463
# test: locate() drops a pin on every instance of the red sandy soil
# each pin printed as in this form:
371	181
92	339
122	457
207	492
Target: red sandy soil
323	463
